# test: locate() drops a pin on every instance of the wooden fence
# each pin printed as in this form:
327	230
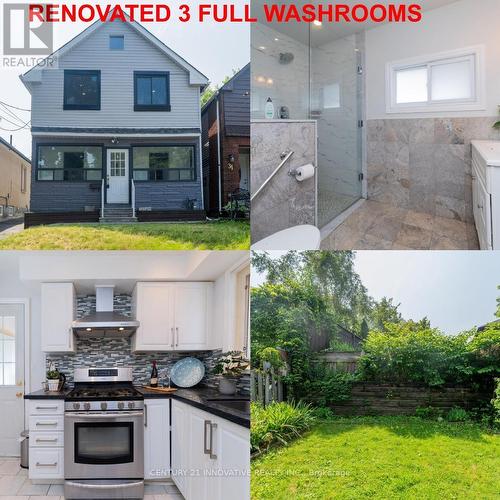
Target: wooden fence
341	361
266	387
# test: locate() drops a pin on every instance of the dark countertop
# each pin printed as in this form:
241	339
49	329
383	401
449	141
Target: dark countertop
200	397
41	394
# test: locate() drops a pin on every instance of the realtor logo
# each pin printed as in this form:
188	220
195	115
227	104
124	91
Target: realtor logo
22	37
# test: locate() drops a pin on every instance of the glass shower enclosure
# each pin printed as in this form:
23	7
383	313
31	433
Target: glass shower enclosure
314	72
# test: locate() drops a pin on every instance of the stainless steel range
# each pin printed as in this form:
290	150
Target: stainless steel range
103	436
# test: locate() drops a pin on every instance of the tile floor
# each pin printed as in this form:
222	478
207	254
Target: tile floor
381	226
15	485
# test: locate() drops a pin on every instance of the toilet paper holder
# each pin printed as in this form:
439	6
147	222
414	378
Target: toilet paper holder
294	172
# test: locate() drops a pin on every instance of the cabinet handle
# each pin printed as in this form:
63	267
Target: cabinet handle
38	464
206	423
177	331
173	336
145	415
38	440
46	407
213	456
46	423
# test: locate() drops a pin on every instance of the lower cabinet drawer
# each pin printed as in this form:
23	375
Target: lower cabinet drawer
46	463
49	407
46	423
46	439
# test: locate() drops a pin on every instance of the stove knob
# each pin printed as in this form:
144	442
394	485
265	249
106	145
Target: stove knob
121	405
131	405
76	406
104	406
86	406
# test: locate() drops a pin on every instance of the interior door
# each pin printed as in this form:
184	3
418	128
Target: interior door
11	377
117	176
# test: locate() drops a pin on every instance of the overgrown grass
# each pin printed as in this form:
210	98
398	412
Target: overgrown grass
221	235
381	458
278	423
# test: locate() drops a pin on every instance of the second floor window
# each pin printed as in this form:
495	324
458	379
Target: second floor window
151	91
82	89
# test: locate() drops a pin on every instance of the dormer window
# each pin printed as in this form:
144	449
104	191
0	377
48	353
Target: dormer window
116	42
82	89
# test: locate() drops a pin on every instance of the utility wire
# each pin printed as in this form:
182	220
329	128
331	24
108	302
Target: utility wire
16	129
15	107
11	114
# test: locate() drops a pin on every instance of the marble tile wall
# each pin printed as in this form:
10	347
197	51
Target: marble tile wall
117	352
425	164
287	84
284	202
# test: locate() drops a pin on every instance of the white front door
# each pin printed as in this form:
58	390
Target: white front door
245	169
117	176
11	377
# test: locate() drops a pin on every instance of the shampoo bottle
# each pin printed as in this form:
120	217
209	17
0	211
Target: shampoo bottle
269	109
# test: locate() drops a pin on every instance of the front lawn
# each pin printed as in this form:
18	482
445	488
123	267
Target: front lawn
381	458
220	235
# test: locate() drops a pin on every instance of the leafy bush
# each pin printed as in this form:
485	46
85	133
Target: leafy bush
495	402
457	415
429	413
322	413
271	356
409	353
278	423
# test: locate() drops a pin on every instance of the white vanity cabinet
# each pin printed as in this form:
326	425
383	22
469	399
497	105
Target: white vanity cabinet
486	192
172	316
58	303
210	455
156	438
46	428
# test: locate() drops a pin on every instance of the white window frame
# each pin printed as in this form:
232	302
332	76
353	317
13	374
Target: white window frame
475	54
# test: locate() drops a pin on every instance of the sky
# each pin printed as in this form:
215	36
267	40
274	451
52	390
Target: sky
215	49
455	290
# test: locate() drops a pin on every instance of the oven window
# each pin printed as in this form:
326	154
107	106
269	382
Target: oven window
104	442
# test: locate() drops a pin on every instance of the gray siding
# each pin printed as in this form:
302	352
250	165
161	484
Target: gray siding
49	196
117	85
237	104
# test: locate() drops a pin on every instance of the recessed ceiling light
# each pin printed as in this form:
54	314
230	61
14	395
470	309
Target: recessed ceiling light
317	23
121	328
261	79
270	81
88	329
276	39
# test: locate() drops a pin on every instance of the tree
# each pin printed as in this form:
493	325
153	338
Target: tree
211	90
383	312
364	329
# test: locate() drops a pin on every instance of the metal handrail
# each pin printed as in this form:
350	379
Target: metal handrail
102	199
286	157
133	198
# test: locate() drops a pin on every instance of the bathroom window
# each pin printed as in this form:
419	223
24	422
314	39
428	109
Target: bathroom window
451	81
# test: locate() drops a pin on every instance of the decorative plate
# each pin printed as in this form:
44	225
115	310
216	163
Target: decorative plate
187	372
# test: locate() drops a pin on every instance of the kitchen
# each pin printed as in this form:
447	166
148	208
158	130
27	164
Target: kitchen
124	374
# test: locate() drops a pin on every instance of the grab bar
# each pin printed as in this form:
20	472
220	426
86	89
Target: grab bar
266	182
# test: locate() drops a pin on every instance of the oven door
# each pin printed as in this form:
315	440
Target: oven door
103	445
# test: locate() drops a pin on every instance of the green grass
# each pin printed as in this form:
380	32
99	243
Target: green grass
382	458
221	235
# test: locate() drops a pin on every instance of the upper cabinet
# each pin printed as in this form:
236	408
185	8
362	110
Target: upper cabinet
172	316
58	302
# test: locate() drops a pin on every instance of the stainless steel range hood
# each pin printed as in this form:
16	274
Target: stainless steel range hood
105	322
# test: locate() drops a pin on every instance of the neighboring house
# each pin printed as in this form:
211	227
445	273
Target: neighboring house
321	340
116	127
226	141
15	180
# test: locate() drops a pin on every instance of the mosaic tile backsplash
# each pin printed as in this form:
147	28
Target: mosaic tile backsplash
117	352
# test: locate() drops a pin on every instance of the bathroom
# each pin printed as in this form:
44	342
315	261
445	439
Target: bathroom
387	167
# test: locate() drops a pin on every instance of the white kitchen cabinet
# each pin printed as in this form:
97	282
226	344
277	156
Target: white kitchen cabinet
486	192
217	458
156	438
172	316
152	306
46	428
58	302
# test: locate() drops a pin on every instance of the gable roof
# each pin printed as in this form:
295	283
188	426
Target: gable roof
228	86
14	150
196	77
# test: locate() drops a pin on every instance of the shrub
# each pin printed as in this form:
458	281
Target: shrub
457	415
271	356
495	402
429	413
278	423
323	413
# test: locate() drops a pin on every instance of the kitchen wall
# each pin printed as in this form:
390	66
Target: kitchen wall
287	84
117	351
284	202
422	161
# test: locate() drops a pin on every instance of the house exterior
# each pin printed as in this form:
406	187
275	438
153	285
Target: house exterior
116	129
15	180
226	141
